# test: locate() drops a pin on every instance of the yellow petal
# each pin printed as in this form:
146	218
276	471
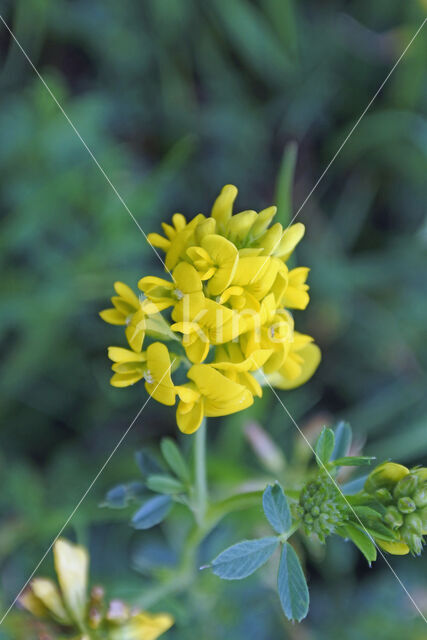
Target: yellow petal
122	306
239	225
396	548
224	256
158	377
250	269
221	395
127	294
31	603
270	240
198	350
143	626
186	278
112	316
189	416
118	354
135	331
71	565
121	380
47	593
290	239
223	206
385	475
156	240
311	357
263	220
205	228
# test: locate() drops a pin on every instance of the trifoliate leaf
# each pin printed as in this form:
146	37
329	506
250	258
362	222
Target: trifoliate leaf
324	446
292	585
164	484
360	539
243	558
343	437
276	508
175	460
152	512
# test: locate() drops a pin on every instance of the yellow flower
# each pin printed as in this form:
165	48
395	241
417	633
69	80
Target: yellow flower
129	366
126	303
216	260
211	394
179	237
295	295
143	626
227	303
300	364
69	604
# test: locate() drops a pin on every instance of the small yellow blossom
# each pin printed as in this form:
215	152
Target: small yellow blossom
126	303
227	304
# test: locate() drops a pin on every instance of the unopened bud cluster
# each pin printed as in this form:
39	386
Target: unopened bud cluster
403	493
321	507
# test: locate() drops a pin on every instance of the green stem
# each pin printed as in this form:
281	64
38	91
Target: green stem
201	489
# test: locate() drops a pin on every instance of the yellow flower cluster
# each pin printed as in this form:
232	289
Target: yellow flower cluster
228	295
69	606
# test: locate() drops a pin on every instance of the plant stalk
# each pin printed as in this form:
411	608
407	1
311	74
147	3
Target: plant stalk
200	480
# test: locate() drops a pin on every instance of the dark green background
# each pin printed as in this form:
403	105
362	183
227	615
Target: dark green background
177	98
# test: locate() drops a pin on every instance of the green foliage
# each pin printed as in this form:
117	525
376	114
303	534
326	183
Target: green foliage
324	446
276	508
175	460
243	558
152	512
292	586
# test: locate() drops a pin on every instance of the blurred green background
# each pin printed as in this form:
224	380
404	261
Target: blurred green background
177	98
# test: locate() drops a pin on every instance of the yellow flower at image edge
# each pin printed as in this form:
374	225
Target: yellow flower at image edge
226	307
70	605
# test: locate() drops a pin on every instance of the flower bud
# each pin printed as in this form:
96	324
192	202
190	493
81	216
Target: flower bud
414	541
406	505
393	518
420	498
414	523
385	475
420	473
406	486
422	513
383	495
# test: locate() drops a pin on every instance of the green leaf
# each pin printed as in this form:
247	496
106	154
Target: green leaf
324	446
360	539
243	558
292	586
175	460
343	437
276	508
152	512
354	461
377	529
164	484
119	497
285	182
147	463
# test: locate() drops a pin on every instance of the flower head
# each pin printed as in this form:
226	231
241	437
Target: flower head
70	606
228	301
